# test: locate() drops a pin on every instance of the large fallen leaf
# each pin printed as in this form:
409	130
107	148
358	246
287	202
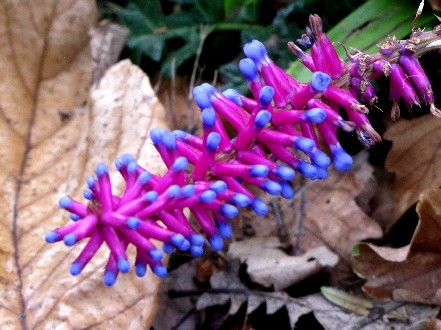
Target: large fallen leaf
269	266
49	146
415	158
413	272
322	213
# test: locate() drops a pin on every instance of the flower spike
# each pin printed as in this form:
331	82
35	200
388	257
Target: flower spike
275	132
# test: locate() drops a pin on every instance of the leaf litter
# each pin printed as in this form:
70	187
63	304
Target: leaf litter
54	131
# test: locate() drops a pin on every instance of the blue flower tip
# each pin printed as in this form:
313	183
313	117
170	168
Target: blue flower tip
156	254
151	196
230	211
213	140
216	242
168	248
188	190
322	173
196	250
75	217
233	95
91	182
248	69
75	268
197	239
180	164
304	144
342	161
160	270
179	134
88	194
140	269
263	117
259	207
133	223
320	81
144	177
259	171
218	187
208	117
169	141
70	239
272	187
307	170
180	242
207	196
173	191
132	167
225	229
101	169
255	50
126	159
241	200
156	135
266	95
201	96
52	237
123	265
320	159
65	202
284	172
109	278
315	115
287	191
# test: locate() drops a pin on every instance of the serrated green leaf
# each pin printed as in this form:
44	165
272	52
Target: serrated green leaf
347	301
151	45
368	26
182	54
212	11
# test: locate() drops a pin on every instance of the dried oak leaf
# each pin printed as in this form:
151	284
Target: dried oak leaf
49	145
269	266
413	272
322	213
415	158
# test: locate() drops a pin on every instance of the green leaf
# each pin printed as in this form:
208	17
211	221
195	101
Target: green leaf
151	45
347	301
369	25
182	54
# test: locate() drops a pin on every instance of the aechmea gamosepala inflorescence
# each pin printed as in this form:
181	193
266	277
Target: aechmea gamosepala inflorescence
273	134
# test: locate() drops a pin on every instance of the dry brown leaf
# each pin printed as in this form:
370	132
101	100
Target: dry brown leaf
323	213
384	316
49	147
415	158
436	4
411	273
269	266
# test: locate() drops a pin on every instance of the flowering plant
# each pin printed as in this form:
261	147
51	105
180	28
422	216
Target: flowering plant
285	127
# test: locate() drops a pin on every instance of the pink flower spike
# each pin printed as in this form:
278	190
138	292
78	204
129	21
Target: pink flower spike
345	99
306	59
400	86
257	122
381	68
332	115
73	206
96	240
325	46
418	77
117	248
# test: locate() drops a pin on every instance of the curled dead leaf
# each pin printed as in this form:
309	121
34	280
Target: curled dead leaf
322	213
410	273
269	266
415	168
50	144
